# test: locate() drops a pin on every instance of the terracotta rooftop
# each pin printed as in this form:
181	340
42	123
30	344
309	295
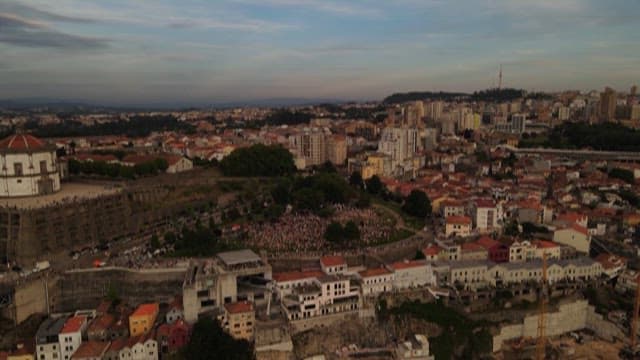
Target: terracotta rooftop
91	349
487	242
459	220
146	309
239	307
334	260
407	264
21	142
609	261
374	272
73	324
483	203
432	250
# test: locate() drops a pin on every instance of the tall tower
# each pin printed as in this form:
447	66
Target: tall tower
608	104
500	78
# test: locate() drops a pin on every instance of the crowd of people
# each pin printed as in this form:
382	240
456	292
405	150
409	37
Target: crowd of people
304	233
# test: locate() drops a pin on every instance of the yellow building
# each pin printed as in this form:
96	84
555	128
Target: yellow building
377	164
143	319
239	320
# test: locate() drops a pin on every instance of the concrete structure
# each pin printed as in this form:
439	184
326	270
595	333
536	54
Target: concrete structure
143	319
227	278
400	143
239	320
29	167
486	215
329	294
569	317
469	274
414	348
608	104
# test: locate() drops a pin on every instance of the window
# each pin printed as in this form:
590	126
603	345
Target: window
17	169
43	167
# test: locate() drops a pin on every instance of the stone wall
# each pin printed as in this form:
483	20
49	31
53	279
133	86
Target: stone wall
82	289
569	317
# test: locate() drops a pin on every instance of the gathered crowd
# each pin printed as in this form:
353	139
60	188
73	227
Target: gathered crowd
303	233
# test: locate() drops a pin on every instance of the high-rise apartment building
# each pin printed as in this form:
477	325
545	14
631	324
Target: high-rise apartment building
337	149
310	147
435	110
401	143
608	105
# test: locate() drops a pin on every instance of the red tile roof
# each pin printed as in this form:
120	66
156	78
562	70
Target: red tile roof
374	272
21	142
73	324
580	229
296	275
93	349
609	261
432	250
487	242
101	323
465	220
146	309
239	307
332	260
482	203
400	265
471	247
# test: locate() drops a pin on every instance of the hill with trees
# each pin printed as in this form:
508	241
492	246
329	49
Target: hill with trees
258	160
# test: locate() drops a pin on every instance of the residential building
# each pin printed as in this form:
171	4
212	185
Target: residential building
143	319
612	265
329	294
452	208
608	104
71	336
375	281
239	320
458	226
411	274
176	310
173	337
469	274
337	149
473	251
497	251
285	282
486	215
520	251
332	265
48	339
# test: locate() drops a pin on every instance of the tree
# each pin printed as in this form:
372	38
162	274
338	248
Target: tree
258	160
281	194
419	255
154	243
308	199
417	204
209	341
511	228
356	180
334	232
351	231
374	185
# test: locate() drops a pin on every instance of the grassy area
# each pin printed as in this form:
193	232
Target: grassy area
397	235
458	330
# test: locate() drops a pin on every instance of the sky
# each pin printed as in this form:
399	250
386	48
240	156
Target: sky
215	51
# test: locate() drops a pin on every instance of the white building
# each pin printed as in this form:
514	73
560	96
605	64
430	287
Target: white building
375	281
399	143
412	274
71	336
29	167
332	265
47	339
486	215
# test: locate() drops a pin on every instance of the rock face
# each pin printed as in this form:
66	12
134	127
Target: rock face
569	317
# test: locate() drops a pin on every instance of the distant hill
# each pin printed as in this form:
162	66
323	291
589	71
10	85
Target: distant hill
491	95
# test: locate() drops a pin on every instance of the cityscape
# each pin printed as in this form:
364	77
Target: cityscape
279	180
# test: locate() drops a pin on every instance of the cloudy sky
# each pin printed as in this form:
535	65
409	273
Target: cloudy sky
209	51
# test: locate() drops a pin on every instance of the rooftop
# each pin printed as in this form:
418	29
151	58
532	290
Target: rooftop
296	275
25	142
50	327
374	272
146	309
333	260
74	324
238	257
91	349
239	307
407	264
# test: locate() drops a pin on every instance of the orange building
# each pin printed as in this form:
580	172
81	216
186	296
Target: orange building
239	320
142	320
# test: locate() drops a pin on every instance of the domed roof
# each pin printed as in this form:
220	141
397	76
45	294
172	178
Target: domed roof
19	142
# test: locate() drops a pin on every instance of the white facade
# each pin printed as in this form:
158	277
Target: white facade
376	281
412	274
69	343
181	165
27	170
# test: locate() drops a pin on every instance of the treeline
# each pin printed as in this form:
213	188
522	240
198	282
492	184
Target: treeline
209	341
200	241
489	95
101	168
137	126
605	136
287	117
258	160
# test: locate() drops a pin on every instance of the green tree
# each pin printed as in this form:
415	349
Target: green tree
417	204
281	193
154	243
258	160
511	228
351	231
308	199
374	185
356	180
334	232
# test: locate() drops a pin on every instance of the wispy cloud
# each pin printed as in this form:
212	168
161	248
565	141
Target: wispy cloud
18	31
343	8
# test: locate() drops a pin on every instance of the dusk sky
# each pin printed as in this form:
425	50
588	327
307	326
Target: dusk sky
198	52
